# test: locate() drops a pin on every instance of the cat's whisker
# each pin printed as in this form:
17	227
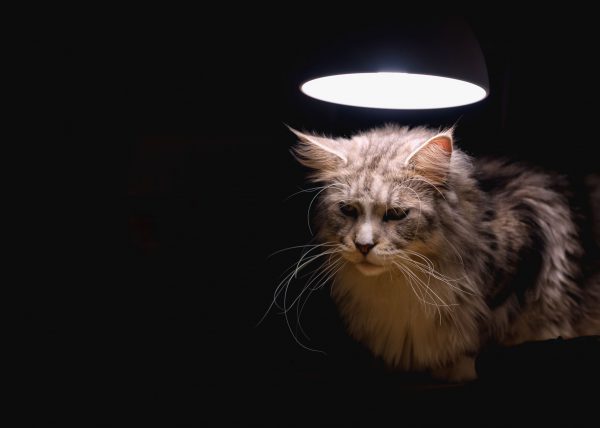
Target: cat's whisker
311	274
312	259
318	273
313	200
292	272
287	320
426	259
427	268
439	277
300	264
282	290
427	287
423	286
389	270
419	295
325	244
305	253
325	271
312	189
436	274
453	247
300	307
432	304
457	324
299	304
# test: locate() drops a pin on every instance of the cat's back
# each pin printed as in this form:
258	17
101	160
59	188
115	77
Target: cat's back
544	244
524	207
509	179
518	186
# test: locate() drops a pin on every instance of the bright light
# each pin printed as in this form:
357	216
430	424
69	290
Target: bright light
394	90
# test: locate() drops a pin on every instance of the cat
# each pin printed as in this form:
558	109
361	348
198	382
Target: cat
432	255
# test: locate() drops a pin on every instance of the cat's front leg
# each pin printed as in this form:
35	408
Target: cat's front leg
461	370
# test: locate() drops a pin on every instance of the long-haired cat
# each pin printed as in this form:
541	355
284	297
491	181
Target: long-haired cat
432	255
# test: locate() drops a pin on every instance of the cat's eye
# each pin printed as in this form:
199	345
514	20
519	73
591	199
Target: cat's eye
395	214
349	210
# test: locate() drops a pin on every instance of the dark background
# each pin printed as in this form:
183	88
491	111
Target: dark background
191	173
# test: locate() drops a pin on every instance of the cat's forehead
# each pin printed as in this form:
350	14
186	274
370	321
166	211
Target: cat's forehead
384	150
375	166
375	188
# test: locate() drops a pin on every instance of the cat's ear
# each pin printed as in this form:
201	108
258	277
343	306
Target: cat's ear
432	158
317	152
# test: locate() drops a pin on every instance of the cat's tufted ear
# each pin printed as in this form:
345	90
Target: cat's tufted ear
432	158
319	153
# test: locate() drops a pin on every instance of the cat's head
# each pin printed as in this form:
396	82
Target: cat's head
380	195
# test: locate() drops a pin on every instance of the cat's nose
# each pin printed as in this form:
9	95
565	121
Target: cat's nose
364	248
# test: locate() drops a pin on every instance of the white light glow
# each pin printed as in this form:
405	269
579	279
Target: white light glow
394	90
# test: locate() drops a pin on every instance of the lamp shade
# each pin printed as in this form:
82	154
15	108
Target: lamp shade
436	64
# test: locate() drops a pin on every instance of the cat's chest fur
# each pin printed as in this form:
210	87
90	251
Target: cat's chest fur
400	322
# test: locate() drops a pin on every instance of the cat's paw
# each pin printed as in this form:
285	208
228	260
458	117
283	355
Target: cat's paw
462	370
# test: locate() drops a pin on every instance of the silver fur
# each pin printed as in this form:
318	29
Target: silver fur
480	251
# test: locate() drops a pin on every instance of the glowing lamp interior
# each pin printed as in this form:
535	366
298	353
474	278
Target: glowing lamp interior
394	90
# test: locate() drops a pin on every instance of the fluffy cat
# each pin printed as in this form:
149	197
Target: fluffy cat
434	255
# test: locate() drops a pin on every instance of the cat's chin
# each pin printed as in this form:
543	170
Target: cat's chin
369	269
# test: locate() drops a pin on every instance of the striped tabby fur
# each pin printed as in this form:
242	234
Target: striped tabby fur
438	255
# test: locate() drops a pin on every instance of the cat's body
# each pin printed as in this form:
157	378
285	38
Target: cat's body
437	255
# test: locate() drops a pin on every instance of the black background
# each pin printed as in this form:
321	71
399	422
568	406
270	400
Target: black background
191	175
